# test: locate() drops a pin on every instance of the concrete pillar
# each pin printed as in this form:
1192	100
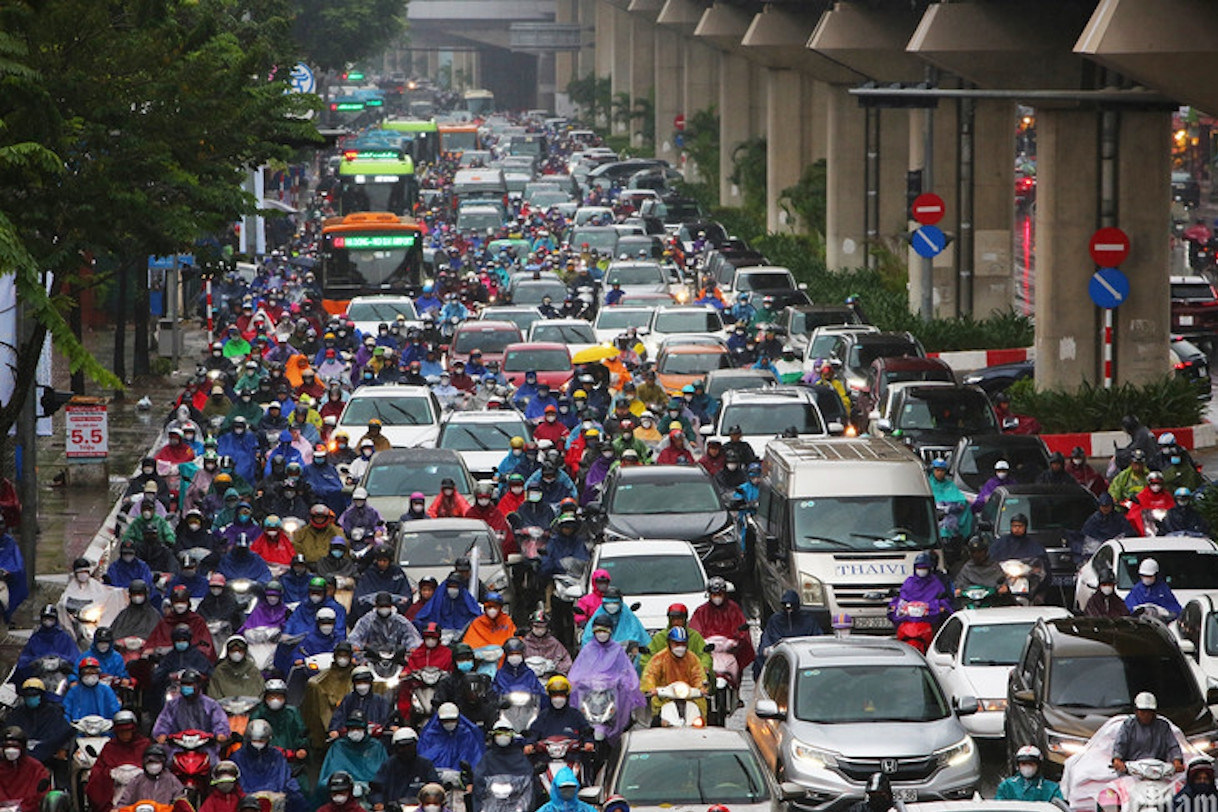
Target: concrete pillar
586	58
605	18
565	11
736	119
846	172
546	86
894	164
670	90
816	117
701	88
993	205
642	69
620	76
784	145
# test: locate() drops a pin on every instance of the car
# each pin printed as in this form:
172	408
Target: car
1000	377
829	713
798	321
679	366
473	158
721	381
648	244
763	414
722	262
767	282
655	573
635	277
533	292
1074	674
1055	514
672	502
549	359
608	174
856	350
1185	189
476	219
1192	364
611	322
679	320
482	438
576	334
1196	633
692	340
932	416
391	476
603	239
1194	307
688	230
591	214
669	768
490	337
972	462
523	316
821	342
886	371
972	655
428	548
1188	564
369	312
409	415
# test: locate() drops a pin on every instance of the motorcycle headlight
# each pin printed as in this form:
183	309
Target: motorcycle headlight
725	536
812	757
812	590
1064	745
957	754
92	613
1206	742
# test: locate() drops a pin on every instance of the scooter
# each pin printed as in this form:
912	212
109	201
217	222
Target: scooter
727	677
422	690
1149	786
238	708
508	793
92	733
386	669
521	710
191	763
913	627
487	659
262	642
599	706
543	667
678	708
558	752
1023	579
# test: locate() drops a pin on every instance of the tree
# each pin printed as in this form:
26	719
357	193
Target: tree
332	33
593	95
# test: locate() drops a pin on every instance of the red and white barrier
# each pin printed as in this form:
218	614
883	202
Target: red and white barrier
1103	443
972	360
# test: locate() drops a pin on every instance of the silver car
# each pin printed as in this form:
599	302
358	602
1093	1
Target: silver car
689	769
428	548
829	712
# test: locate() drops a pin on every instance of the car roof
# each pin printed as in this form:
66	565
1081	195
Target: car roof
698	348
769	394
381	297
393	390
863	337
661	473
737	372
1035	489
686	307
1152	544
997	615
686	738
624	548
487	416
855	650
898	363
432	525
398	456
487	325
537	345
1097	634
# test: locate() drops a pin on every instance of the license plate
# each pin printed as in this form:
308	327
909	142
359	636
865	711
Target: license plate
872	622
1186	321
905	795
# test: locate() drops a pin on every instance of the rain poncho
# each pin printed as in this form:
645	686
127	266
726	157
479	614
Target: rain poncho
501	761
326	485
780	626
136	621
77	596
287	728
725	621
516	678
236	679
265	615
549	647
565	778
361	760
930	590
375	707
100	789
200	635
946	492
164	789
1158	593
12	563
586	606
1088	772
322	695
46	643
243	448
627	628
197	713
447	750
373	632
241	563
111	662
304	619
605	665
46	726
393	580
267	770
121	573
483	631
399	779
82	700
449	613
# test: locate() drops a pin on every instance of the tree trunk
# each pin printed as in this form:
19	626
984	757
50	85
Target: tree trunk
120	324
140	364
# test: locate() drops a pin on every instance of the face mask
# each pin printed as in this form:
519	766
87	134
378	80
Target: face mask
921	572
181	608
1148	580
483	501
275	703
679	651
492	612
550	418
181	645
1156	487
602	636
1107	589
1177	460
336	553
449	726
316	598
362	688
558	702
128	557
1000	474
194	526
138	599
226	787
154	767
503	739
357	735
102	648
465	666
342	662
453	592
90	680
1027	770
217	591
540	631
339	798
517	489
236	656
717	600
431	808
535	496
448	492
82	577
48	624
325	628
516	452
384	611
612	607
12	753
515	659
188	691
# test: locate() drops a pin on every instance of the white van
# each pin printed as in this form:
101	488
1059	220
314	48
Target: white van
840	521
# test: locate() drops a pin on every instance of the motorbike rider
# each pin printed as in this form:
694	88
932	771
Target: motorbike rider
979	569
1056	473
404	775
452	608
226	792
558	717
628	630
127	568
355	752
491	628
673	664
1154	496
220	604
1002	476
374	708
1017	544
927	586
449	738
1146	734
273	545
1150	588
504	756
564	794
678	615
271	612
604	663
877	797
1107	522
1078	467
432	653
1105	602
949	498
90	696
467	689
1030	784
155	783
181	613
792	620
1198	793
1132	480
304	619
44	721
340	789
139	618
721	616
514	675
385	628
288	729
236	674
1183	517
264	768
107	656
448	503
126	748
191	710
383	576
182	656
539	642
566	542
48	640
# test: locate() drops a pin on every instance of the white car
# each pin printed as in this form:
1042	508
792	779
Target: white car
369	312
821	342
973	653
409	415
681	320
612	321
482	438
655	573
763	414
1188	564
1196	631
577	334
635	277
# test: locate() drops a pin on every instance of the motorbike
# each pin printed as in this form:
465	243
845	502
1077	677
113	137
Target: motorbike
191	762
913	627
85	620
568	589
92	733
1149	785
948	516
1152	521
220	630
678	708
238	708
599	706
558	752
727	677
54	671
262	642
245	591
486	659
1023	579
976	597
422	690
530	587
543	667
521	710
386	668
508	793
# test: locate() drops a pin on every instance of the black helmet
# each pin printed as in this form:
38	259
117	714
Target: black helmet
12	733
103	635
49	611
1020	518
340	782
137	587
155	751
978	543
513	645
189	677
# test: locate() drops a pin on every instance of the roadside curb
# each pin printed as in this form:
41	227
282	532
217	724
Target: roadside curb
1103	443
973	360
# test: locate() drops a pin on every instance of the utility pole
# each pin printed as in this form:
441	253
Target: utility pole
27	471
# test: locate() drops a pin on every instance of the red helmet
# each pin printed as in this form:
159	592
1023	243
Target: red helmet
678	609
89	662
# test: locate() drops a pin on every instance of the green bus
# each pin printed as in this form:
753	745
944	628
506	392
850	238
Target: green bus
422	135
376	180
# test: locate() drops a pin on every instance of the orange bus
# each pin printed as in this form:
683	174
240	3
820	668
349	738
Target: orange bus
457	138
369	252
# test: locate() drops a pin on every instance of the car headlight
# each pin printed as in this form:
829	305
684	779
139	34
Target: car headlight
812	757
1205	742
1064	745
498	582
812	591
993	704
957	754
725	536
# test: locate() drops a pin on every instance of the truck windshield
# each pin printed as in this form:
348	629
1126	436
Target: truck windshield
865	523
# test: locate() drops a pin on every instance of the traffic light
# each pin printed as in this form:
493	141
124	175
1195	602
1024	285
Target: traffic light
52	400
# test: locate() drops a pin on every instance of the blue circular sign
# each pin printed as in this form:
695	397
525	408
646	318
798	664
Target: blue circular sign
1108	288
928	241
302	79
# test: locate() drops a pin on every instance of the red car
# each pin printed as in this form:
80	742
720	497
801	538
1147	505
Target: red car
550	360
491	337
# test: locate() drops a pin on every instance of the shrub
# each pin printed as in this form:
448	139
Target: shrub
1166	402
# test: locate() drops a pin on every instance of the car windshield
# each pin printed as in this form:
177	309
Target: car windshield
995	644
804	322
635	275
693	363
1111	682
1192	291
410	410
539	360
864	523
382	311
764	280
533	294
478	220
546	198
1181	569
953	411
976	463
868	693
907	375
687	321
676	496
692	777
632	245
769	418
1048	511
402	478
442	548
564	333
604	240
491	340
654	574
480	436
716	385
619	318
861	355
521	318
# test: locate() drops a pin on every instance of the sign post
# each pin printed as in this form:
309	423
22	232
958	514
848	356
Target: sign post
1109	247
86	431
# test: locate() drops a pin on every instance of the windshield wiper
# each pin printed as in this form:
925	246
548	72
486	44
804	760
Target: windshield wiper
473	437
748	776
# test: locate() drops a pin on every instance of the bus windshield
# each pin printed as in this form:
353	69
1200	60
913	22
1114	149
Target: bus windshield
371	259
458	140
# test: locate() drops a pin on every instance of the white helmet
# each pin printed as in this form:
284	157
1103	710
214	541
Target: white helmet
359	493
1028	753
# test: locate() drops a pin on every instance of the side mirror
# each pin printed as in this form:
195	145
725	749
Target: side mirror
802	286
940	657
791	791
967	705
1211	696
734	503
706	431
708	648
590	795
771	548
1187	647
514	558
768	709
1024	697
835	428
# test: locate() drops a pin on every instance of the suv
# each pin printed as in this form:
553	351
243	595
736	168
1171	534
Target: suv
932	416
1194	307
1076	673
798	321
829	713
767	282
763	414
856	351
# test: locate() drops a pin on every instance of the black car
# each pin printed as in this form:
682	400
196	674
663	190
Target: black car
932	417
669	502
1000	377
973	460
1055	514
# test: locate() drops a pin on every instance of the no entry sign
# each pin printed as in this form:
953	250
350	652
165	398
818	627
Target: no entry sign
1109	247
927	209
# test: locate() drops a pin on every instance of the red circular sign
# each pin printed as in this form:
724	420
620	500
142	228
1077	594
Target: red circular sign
928	209
1109	247
678	123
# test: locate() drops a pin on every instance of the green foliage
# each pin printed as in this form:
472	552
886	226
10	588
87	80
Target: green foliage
1167	402
743	223
749	173
333	33
593	95
808	199
637	117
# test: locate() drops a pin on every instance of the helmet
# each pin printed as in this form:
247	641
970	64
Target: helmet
716	585
616	803
678	609
88	662
447	712
924	560
1154	476
677	634
539	617
1028	753
431	791
1020	518
513	645
558	684
16	735
978	543
404	734
340	782
225	771
1180	493
258	730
